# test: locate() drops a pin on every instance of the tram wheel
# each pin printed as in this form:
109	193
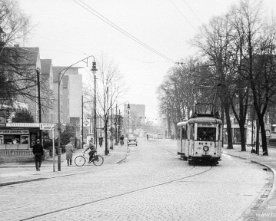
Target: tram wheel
214	162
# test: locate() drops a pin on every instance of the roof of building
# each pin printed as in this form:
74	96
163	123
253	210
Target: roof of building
20	55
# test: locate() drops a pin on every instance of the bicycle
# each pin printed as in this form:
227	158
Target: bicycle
97	160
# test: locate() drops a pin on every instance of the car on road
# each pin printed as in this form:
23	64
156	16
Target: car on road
132	140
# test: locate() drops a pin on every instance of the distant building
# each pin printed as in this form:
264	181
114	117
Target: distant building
136	117
47	92
70	97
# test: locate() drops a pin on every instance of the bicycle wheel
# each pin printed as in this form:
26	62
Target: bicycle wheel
80	161
98	160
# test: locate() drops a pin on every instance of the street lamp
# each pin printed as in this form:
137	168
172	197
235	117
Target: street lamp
94	69
128	109
60	76
39	101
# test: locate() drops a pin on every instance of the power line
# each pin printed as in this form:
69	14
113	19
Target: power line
191	9
121	30
182	14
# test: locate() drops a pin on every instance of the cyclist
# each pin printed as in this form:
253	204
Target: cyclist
92	149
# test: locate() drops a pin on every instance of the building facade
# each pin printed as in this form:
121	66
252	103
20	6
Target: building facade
70	97
134	118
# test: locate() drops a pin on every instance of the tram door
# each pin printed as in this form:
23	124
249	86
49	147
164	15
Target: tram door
190	139
184	139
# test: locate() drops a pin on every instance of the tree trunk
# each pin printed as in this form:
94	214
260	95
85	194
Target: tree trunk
176	130
263	134
169	127
229	127
257	137
243	137
106	151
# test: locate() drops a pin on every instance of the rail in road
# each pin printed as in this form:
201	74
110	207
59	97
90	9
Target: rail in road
205	170
121	194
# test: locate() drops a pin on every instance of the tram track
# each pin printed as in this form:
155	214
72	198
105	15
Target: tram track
120	194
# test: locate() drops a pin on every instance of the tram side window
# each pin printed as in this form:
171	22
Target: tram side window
206	133
1	139
184	133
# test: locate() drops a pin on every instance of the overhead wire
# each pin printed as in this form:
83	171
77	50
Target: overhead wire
182	14
192	10
121	30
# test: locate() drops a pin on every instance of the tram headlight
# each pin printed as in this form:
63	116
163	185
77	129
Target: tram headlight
205	148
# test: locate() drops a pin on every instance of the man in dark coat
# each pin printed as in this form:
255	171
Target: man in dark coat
38	153
100	140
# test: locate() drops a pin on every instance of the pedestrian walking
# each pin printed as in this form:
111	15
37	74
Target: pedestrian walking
69	149
122	138
100	140
38	154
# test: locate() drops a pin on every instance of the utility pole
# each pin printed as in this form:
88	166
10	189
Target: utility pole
119	124
39	102
116	126
94	69
81	121
128	109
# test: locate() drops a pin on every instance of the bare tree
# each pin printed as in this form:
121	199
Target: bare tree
18	73
13	22
259	61
214	42
110	88
185	85
18	79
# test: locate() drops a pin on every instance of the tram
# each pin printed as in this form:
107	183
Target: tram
200	138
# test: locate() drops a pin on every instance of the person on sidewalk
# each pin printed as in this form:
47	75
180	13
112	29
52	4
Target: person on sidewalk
92	149
69	149
38	154
101	140
122	138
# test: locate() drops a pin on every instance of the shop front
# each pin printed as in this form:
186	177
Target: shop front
16	141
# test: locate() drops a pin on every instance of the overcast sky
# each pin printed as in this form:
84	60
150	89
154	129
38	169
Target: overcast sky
65	32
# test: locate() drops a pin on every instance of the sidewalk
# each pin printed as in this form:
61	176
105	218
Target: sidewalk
14	173
265	208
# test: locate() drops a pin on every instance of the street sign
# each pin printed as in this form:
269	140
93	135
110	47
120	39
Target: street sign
46	126
86	123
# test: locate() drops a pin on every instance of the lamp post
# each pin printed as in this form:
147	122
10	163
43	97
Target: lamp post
39	101
94	69
60	76
128	109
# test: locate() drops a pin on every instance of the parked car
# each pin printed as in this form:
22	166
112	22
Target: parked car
132	140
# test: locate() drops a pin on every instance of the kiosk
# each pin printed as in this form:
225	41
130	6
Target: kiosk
16	141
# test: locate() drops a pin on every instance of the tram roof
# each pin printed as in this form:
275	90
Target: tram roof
200	120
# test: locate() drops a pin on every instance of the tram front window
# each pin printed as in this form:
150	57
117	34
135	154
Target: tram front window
206	134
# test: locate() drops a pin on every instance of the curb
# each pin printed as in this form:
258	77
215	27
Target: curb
273	188
53	175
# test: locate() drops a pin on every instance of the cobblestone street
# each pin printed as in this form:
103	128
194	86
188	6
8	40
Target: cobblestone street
152	184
